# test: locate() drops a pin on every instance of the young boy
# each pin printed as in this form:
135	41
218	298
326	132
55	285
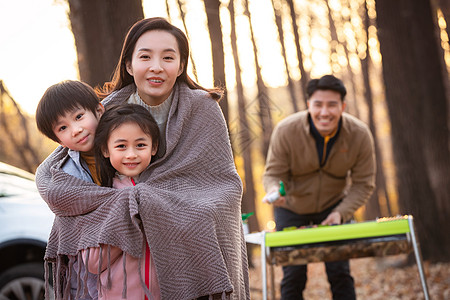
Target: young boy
68	113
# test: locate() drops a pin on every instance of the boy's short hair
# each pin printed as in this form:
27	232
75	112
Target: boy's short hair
327	82
62	98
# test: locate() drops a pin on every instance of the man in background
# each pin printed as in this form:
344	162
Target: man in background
326	159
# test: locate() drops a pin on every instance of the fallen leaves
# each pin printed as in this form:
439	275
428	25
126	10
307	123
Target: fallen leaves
375	279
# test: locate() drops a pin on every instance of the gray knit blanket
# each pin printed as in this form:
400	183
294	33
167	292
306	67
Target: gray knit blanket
189	202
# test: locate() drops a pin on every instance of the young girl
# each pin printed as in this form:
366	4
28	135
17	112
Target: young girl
126	139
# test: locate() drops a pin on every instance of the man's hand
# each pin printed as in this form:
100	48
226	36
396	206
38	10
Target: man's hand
333	219
279	202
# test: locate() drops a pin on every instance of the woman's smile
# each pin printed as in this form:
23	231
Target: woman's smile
155	66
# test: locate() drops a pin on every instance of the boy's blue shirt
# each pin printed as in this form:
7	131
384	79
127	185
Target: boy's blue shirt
77	167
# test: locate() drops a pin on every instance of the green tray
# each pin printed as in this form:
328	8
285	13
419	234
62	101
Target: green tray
337	232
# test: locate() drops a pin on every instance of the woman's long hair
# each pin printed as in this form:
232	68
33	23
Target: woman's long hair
115	116
122	78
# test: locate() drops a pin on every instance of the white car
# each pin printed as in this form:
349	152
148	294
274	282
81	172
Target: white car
25	224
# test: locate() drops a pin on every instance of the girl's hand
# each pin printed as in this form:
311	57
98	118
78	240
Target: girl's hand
94	257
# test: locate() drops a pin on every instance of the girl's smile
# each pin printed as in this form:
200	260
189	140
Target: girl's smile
129	149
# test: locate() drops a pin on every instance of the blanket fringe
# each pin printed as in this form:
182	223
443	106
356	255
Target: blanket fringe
99	271
57	274
86	273
69	275
79	260
47	284
124	289
108	282
54	277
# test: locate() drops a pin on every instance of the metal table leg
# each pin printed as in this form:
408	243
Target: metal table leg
272	280
263	266
418	257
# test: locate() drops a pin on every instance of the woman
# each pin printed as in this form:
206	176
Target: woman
189	198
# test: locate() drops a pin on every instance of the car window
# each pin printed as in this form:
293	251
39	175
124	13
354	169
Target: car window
11	185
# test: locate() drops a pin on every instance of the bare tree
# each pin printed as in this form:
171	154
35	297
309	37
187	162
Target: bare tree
263	94
333	36
373	209
335	42
245	141
304	75
15	127
99	28
215	33
168	11
276	4
444	5
418	109
183	19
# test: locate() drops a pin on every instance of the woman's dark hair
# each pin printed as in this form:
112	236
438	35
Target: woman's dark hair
122	78
115	116
327	82
61	98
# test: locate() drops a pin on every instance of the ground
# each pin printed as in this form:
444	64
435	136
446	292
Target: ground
375	279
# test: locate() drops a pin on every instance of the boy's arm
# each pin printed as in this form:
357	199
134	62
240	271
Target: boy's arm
67	195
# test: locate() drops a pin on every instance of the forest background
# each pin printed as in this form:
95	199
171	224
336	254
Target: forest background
393	57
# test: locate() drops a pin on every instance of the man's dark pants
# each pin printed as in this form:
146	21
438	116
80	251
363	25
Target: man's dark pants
294	280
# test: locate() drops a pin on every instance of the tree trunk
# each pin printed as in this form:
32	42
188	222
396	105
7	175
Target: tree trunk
248	198
418	109
16	130
444	5
215	33
351	96
373	208
183	18
168	11
334	39
279	22
265	115
304	75
99	28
